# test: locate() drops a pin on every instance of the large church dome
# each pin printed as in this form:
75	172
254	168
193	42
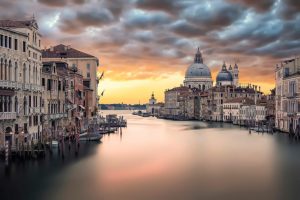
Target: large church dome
198	74
198	69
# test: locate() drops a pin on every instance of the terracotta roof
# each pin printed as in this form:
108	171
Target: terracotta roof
240	100
15	24
63	51
181	88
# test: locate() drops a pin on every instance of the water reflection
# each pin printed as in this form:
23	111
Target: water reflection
159	159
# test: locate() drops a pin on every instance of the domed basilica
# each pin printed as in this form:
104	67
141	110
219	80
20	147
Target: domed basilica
198	75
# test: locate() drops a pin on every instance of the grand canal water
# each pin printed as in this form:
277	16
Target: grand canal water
156	159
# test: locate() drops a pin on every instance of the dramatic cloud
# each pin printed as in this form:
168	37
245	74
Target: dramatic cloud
144	40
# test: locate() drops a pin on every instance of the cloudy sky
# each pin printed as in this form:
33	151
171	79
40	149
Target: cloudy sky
146	45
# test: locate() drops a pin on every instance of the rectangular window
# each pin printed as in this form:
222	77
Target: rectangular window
24	46
43	81
29	120
16	128
29	101
286	71
48	84
25	128
88	75
5	41
1	40
59	85
88	66
9	42
16	44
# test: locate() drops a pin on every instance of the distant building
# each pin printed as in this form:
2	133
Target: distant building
287	95
175	102
235	74
198	74
153	107
243	111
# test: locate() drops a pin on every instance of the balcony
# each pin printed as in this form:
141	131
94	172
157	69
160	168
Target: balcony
26	86
8	115
36	88
291	95
291	113
57	116
10	85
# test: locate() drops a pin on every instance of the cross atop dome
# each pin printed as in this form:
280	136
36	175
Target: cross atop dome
224	68
198	57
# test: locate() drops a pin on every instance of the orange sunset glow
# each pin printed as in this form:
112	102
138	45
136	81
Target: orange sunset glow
145	46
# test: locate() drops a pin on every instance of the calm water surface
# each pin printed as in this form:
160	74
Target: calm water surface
155	159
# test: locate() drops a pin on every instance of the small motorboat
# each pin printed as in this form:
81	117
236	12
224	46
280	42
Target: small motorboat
93	136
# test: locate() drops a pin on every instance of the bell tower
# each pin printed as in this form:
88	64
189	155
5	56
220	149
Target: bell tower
235	74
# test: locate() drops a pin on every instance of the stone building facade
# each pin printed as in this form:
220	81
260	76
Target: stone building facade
86	64
287	100
54	76
21	93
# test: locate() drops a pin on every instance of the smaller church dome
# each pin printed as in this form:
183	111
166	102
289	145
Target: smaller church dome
224	74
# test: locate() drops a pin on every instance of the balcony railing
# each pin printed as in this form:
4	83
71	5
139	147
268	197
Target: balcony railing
291	95
57	116
10	84
8	115
35	87
26	86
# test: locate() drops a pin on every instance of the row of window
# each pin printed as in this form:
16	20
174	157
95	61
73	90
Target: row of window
7	42
231	106
34	120
53	84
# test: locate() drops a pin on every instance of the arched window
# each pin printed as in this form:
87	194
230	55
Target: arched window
24	73
25	106
9	70
16	104
16	72
29	75
5	70
1	69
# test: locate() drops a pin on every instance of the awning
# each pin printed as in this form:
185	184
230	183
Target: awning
83	108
